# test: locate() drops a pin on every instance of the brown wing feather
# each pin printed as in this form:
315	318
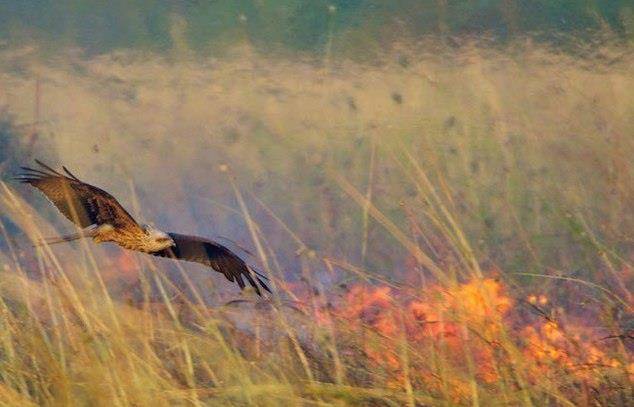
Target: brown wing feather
81	203
214	255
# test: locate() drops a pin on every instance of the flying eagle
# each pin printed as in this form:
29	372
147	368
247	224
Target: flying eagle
103	219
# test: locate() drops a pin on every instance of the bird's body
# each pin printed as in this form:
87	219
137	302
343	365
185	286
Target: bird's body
147	240
103	219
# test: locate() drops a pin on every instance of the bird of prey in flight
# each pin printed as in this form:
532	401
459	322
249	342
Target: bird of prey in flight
103	219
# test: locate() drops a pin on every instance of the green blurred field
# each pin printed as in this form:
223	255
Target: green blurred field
430	167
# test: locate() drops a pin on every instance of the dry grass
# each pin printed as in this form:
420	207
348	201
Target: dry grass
443	228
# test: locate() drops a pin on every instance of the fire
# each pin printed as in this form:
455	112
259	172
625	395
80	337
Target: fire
551	347
437	318
476	327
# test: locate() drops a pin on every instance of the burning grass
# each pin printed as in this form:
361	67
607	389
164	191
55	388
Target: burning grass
436	234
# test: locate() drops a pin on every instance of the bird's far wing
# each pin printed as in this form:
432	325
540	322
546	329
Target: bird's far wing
214	255
81	203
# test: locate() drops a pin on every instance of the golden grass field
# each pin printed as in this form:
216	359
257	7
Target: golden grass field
444	226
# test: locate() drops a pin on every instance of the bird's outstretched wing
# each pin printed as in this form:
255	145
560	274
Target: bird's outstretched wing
81	203
214	255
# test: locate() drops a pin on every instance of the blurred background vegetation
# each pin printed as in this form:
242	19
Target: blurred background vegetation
359	27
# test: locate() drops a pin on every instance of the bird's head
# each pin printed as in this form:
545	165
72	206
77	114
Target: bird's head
157	239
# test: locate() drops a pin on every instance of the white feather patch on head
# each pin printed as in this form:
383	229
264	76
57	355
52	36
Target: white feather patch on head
155	234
